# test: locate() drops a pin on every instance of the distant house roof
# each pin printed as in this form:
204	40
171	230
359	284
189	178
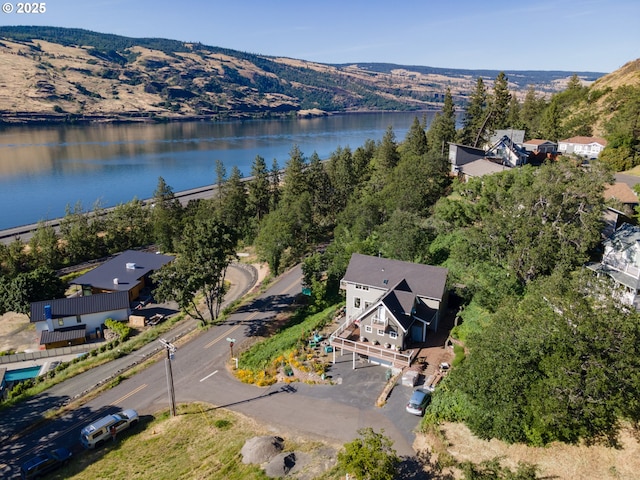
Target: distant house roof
69	307
621	192
581	140
482	167
63	335
420	280
516	136
536	141
141	263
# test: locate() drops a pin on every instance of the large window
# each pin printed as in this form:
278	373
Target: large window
368	329
356	302
393	335
381	332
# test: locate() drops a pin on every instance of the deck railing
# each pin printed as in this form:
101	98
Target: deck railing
397	359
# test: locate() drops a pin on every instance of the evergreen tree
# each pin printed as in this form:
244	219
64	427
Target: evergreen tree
384	161
44	247
475	116
259	189
80	233
531	113
500	104
165	216
275	181
443	128
514	119
415	143
294	181
128	225
221	178
233	208
551	122
320	191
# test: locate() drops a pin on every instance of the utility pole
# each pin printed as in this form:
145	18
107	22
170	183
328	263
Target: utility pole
171	350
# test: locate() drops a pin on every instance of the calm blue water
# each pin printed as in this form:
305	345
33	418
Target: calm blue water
44	169
21	374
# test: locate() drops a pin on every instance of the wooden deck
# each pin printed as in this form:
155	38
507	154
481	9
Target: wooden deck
347	337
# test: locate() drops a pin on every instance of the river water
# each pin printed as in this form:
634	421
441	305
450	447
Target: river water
44	169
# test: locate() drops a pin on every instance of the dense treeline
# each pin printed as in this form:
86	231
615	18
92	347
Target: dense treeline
551	354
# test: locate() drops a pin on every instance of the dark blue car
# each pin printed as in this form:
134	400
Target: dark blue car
44	463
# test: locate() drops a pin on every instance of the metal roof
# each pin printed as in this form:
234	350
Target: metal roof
69	307
104	277
63	335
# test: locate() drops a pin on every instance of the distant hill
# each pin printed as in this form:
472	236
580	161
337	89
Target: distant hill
53	74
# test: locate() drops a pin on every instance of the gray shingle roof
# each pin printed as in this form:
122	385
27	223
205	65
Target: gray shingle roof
422	280
102	277
69	307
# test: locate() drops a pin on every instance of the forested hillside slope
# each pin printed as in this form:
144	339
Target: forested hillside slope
58	74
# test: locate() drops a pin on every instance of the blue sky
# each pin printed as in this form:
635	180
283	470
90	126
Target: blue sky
572	35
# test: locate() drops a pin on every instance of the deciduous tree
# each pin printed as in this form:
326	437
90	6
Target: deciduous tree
370	457
204	253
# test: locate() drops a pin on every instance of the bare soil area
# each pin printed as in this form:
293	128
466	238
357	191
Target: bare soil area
17	334
557	461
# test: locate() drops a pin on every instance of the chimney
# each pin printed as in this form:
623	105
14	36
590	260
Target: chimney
48	317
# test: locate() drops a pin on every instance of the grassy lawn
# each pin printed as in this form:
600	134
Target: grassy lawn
201	442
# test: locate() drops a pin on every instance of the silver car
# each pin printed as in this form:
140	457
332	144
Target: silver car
418	402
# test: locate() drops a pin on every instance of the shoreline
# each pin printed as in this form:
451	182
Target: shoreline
40	119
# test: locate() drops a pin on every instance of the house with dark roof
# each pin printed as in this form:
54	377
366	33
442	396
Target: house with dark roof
462	155
127	272
69	321
391	305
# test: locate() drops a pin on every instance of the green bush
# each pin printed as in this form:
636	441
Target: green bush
122	330
263	353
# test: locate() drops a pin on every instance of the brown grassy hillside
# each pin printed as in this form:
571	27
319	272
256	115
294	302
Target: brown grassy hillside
53	74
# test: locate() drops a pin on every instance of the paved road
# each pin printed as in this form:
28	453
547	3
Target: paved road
332	413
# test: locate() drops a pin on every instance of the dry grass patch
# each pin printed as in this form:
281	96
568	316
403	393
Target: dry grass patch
557	461
201	442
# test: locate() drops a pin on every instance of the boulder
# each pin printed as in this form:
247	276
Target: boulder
259	450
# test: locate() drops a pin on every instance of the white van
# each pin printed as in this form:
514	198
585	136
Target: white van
96	434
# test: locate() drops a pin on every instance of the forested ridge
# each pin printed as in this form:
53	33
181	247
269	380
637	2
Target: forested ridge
550	354
73	75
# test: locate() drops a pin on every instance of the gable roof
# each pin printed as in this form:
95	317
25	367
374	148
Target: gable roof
383	273
516	136
103	277
581	140
70	307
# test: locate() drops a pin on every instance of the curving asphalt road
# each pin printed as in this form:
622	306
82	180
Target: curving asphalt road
332	413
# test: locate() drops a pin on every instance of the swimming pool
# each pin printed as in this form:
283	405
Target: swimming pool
22	374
